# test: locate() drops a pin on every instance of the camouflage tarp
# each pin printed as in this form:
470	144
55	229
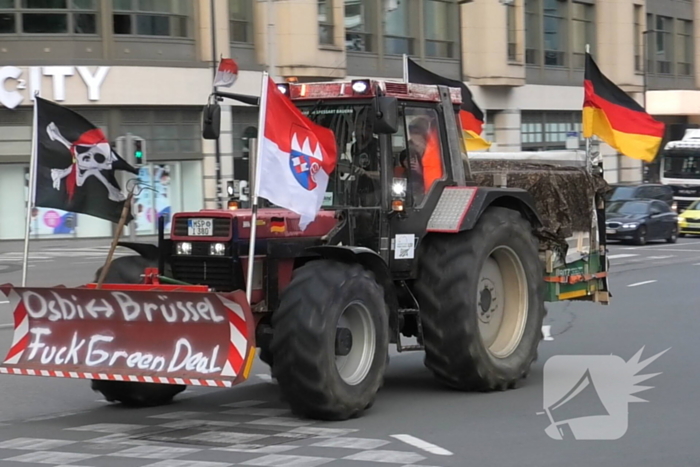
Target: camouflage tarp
563	195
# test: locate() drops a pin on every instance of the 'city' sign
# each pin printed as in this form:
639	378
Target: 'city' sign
13	98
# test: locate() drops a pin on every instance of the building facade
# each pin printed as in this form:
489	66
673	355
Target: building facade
146	67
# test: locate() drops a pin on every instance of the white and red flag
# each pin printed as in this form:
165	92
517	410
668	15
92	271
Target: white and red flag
296	157
226	74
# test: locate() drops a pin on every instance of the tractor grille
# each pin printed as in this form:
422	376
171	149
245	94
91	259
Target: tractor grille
216	273
222	226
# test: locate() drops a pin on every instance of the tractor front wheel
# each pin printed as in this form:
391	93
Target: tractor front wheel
128	270
481	294
330	340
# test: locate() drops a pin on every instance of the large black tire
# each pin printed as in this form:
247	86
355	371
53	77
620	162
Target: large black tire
451	294
128	270
304	340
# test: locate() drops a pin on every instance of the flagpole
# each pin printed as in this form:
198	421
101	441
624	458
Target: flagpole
405	68
589	162
256	184
32	188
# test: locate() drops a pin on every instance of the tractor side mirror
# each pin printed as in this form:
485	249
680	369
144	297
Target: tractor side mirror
386	115
211	121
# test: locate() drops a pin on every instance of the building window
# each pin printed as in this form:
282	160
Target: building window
548	130
511	26
48	16
325	22
533	35
664	45
164	18
438	25
398	37
638	39
358	25
583	33
555	32
171	133
685	48
240	21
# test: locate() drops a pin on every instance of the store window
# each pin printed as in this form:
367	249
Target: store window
359	25
48	17
325	22
541	131
164	18
398	38
240	21
440	28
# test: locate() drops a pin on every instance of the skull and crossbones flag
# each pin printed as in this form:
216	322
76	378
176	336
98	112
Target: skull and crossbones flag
75	165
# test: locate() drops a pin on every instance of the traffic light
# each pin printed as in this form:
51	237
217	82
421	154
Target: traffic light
138	152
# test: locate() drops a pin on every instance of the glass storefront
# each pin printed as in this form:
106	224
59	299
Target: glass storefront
169	187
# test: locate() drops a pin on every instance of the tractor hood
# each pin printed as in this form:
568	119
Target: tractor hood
224	225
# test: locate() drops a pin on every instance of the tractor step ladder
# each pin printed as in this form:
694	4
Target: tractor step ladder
407	348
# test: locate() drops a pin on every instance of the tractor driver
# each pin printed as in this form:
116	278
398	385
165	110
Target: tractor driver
422	157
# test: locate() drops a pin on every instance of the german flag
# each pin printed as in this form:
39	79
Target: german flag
470	115
277	225
612	115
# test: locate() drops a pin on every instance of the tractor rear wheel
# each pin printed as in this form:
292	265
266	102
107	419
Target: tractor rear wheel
330	340
481	294
128	270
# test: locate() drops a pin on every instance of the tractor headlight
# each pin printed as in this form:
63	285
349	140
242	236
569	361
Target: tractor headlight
398	188
217	249
184	248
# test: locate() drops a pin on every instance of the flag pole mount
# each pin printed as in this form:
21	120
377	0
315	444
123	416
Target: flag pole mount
262	114
120	227
32	188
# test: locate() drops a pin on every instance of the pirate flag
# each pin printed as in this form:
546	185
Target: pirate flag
75	165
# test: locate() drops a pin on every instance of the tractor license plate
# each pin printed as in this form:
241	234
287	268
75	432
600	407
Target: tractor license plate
200	227
611	231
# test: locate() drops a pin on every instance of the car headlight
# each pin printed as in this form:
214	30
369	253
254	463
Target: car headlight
183	248
631	225
217	249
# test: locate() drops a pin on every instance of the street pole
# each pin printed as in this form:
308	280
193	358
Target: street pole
216	141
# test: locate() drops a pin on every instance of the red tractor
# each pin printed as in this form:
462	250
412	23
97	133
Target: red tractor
392	255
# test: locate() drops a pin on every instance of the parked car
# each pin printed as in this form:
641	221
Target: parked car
623	191
640	221
689	220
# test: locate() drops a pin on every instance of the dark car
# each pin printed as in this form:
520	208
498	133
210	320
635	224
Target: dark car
622	191
640	221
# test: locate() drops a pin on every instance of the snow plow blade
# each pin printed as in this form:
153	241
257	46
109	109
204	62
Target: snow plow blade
140	333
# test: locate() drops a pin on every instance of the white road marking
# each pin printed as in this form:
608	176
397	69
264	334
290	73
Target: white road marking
661	257
6	326
621	256
4	301
391	457
351	443
642	283
546	330
424	445
264	377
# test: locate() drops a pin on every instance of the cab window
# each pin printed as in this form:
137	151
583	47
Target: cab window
419	159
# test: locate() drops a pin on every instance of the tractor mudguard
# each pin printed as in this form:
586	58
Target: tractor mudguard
146	250
367	258
144	333
460	207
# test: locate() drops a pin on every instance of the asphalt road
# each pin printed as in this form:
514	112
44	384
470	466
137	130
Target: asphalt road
414	421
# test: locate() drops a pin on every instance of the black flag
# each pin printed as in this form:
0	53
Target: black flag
75	165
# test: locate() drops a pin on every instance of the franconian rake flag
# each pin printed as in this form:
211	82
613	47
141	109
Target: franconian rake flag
612	115
75	165
296	158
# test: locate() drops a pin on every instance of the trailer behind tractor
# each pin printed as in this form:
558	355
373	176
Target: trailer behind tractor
463	267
